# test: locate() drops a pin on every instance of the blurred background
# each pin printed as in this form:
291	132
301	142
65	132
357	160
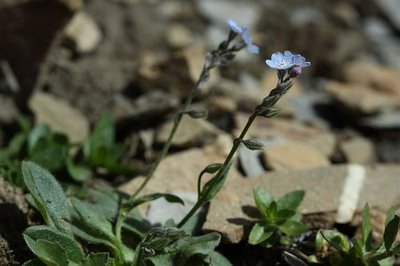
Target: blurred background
63	62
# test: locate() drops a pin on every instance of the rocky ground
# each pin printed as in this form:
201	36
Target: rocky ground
64	62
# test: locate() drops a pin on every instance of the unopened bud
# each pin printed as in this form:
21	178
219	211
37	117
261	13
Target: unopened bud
295	71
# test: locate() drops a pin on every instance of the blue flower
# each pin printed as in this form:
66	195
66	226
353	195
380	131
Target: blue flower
244	33
300	61
281	61
286	60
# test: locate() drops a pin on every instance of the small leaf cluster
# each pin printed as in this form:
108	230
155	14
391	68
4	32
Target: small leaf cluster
54	151
279	219
362	251
79	232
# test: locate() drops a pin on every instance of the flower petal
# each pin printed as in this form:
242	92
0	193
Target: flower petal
253	49
277	56
271	63
234	26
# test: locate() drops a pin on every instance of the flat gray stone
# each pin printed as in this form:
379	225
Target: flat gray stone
59	115
229	211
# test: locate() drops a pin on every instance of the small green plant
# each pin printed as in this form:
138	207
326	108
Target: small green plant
279	219
362	251
93	224
54	151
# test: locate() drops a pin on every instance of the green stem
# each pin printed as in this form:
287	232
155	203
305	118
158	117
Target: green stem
178	118
177	121
202	200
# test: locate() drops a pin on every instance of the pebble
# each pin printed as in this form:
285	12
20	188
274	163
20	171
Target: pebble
84	33
191	132
289	156
60	116
358	150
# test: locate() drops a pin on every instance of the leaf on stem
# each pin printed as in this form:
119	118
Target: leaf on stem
291	200
131	204
252	144
391	230
70	247
268	112
366	229
196	113
48	196
263	199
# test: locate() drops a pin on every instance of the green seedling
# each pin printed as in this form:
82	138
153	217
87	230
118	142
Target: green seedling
279	219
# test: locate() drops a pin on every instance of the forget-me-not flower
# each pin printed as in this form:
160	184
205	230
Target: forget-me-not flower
246	36
286	60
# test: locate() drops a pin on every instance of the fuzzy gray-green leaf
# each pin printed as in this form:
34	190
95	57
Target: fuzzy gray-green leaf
72	249
48	196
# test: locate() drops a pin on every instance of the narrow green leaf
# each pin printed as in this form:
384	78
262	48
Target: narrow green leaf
366	229
71	247
263	198
390	234
214	185
168	197
92	220
48	196
291	200
253	144
259	233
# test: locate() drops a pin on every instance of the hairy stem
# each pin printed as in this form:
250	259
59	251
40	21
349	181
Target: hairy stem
203	199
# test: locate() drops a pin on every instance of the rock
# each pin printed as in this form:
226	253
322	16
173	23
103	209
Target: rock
160	210
178	172
382	79
246	13
230	212
250	162
191	132
385	120
145	109
358	150
391	9
60	116
27	39
263	128
83	33
383	40
8	110
179	36
293	156
361	99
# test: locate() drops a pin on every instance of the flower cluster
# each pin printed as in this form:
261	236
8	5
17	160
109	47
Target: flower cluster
244	33
293	63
